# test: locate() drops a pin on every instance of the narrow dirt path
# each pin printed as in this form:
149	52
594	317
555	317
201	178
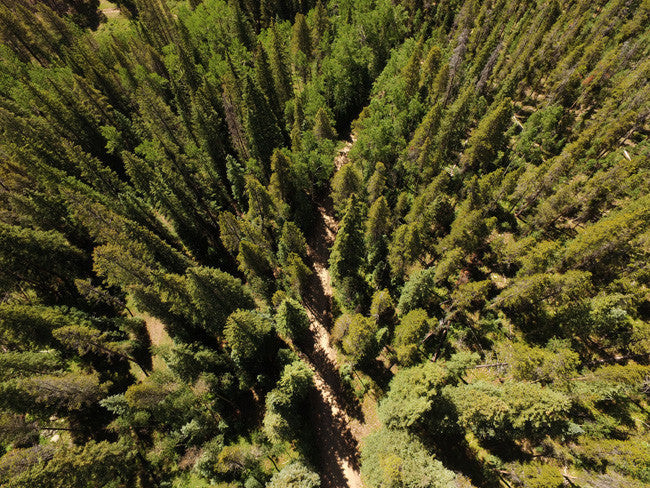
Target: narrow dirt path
330	412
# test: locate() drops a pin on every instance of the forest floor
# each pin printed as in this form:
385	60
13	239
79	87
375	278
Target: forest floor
336	420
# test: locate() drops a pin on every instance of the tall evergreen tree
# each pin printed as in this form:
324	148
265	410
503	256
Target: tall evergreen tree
320	28
281	184
262	129
241	26
280	67
215	295
348	254
301	46
264	79
411	71
346	182
323	127
256	264
488	138
43	261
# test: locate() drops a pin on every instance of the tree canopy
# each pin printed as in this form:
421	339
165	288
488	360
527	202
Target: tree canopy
222	219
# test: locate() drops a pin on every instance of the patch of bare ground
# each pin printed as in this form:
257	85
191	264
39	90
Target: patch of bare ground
157	335
156	329
342	157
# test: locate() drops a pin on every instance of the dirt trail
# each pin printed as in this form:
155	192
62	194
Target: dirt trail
335	437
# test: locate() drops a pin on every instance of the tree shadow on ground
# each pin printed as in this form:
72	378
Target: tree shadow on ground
328	371
378	372
335	441
456	454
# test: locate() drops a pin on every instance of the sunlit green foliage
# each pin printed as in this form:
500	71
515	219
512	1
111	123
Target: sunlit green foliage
395	459
479	170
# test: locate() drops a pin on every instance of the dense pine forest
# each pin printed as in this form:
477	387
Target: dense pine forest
344	243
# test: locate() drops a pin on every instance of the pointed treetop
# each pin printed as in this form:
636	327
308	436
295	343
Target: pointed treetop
323	127
301	37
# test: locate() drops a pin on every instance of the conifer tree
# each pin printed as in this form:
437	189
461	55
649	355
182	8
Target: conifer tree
283	419
410	331
29	326
207	123
270	10
382	309
256	264
322	126
360	339
346	182
252	343
263	208
377	182
430	67
296	137
241	26
517	402
236	173
279	67
234	114
262	129
439	84
488	138
44	261
420	164
301	46
291	320
281	184
426	130
264	79
230	231
348	254
215	295
296	274
233	230
320	28
297	125
379	222
421	292
453	126
411	72
298	110
106	463
378	263
90	341
394	457
405	248
291	241
295	475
